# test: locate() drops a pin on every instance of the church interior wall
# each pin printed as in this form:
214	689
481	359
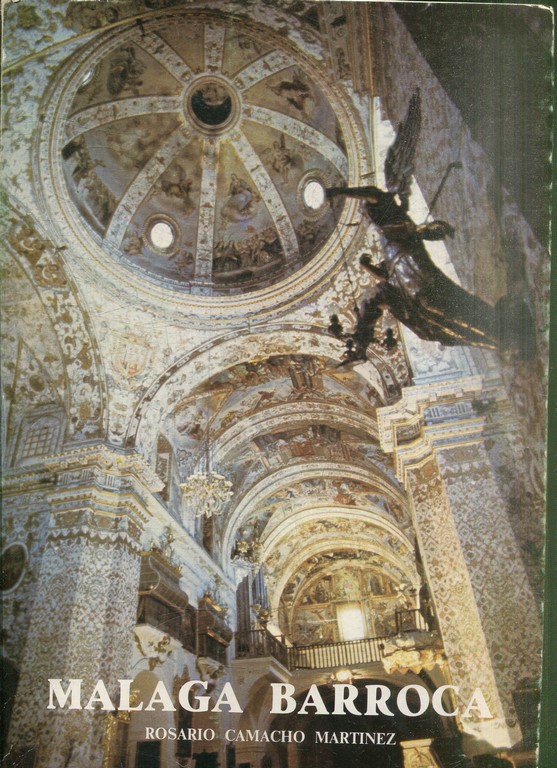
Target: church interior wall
124	371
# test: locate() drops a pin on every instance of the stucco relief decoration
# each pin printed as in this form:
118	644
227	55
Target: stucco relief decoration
412	660
43	264
153	645
199	369
191	164
131	354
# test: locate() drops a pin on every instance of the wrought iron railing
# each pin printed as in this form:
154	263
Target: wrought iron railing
345	653
260	642
341	654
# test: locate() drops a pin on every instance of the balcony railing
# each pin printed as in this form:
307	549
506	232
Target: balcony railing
345	653
260	642
341	654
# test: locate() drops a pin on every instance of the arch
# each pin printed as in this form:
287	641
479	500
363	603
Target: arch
292	473
396	567
238	346
296	519
293	414
42	263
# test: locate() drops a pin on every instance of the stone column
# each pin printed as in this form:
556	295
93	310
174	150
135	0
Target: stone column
85	605
487	615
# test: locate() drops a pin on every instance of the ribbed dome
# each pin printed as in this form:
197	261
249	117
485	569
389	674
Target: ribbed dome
197	153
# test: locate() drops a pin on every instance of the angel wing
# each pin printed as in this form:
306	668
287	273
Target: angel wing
399	163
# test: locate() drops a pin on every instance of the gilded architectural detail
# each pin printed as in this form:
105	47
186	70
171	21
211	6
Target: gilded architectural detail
418	753
43	265
172	262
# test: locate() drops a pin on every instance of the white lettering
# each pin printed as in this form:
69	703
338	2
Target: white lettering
345	696
73	693
100	695
377	696
160	696
478	702
437	700
313	699
402	700
183	697
282	692
228	699
125	686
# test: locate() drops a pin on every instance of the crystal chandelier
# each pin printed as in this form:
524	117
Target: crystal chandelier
205	491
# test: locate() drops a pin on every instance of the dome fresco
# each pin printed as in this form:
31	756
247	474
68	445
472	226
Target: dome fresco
198	154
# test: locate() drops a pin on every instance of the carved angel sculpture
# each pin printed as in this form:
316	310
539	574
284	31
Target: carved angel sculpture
409	284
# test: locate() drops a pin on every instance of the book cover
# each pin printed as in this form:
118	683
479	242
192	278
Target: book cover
275	310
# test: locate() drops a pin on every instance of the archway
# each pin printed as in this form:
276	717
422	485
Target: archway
339	740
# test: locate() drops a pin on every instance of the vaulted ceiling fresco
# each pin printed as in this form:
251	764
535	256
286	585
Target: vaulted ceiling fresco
297	437
252	387
313	603
191	148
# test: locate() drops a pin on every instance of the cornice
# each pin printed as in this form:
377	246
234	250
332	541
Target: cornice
429	418
76	465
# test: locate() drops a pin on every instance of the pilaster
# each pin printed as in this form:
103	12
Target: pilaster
486	611
85	602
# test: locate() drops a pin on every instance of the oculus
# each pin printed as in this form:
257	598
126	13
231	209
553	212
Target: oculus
313	194
211	103
162	235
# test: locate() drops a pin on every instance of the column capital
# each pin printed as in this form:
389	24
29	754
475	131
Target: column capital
428	418
112	482
104	462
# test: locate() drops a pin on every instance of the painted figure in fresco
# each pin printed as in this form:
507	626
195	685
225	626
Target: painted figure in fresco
241	202
409	284
176	183
125	72
295	91
283	159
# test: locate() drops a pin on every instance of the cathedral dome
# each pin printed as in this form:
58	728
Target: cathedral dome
196	151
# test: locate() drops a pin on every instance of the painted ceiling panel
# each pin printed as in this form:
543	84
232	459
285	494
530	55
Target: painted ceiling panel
210	137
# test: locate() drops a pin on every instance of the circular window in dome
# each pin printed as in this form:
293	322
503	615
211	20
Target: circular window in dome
313	194
161	234
211	104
